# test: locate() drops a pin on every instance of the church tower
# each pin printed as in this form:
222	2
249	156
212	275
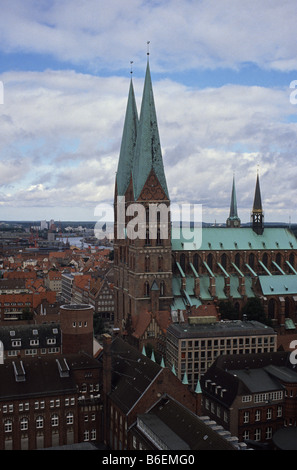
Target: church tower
257	212
142	245
233	219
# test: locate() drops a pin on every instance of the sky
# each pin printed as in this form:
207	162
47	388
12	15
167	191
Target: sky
223	76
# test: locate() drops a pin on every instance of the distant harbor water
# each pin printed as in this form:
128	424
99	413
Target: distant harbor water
80	243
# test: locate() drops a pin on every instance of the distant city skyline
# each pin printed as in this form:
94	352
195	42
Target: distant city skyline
223	77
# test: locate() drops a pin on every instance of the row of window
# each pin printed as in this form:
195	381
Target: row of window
212	343
7	304
33	352
239	260
79	324
39	422
263	397
262	414
38	404
257	434
33	342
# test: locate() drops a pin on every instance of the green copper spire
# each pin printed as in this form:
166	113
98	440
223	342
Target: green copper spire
148	154
128	144
233	219
198	388
257	212
153	356
257	199
185	379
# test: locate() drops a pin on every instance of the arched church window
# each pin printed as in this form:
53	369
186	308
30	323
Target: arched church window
224	260
265	259
252	260
209	260
182	261
196	261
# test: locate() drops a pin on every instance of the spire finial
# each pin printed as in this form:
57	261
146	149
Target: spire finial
148	48
131	71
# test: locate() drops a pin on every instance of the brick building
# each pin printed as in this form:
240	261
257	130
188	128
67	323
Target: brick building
176	268
131	384
170	426
76	321
21	341
193	346
251	395
49	403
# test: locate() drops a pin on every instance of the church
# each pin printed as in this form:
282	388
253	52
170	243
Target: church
160	279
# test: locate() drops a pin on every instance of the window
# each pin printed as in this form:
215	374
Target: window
269	432
55	420
269	413
257	434
39	422
24	424
257	415
8	425
279	411
246	435
246	417
69	418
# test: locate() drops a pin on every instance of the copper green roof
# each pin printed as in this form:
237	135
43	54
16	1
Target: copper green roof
148	154
282	284
236	239
128	144
186	297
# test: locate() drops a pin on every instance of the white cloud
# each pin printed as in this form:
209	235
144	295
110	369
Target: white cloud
61	135
183	35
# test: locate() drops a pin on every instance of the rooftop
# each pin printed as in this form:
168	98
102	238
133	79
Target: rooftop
224	239
220	328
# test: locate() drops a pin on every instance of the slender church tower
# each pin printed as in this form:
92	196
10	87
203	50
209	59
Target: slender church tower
142	245
233	219
257	217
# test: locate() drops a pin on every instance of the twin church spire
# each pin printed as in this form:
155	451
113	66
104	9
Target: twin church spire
140	153
257	216
140	156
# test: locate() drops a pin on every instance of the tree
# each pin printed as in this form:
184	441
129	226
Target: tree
254	310
228	311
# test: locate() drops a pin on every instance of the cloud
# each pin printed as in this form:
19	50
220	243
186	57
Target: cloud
61	131
184	35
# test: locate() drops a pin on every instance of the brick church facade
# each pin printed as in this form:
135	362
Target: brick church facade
163	271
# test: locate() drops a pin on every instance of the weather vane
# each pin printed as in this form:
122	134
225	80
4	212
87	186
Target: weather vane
148	47
131	71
